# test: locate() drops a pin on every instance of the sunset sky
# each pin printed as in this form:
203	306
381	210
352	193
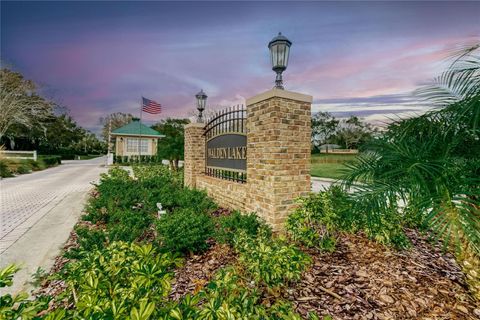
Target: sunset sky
361	58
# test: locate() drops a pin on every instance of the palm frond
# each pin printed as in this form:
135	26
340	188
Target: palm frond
461	80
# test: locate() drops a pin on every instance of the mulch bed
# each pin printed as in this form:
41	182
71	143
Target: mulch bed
365	280
198	270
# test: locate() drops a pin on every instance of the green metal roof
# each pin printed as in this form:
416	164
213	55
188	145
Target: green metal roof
136	128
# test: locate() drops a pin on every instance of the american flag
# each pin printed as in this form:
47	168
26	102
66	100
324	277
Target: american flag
150	106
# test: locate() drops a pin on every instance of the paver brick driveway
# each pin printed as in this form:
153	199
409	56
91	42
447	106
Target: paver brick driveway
27	198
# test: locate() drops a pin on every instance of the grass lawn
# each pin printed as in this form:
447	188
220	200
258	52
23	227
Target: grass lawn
330	165
327	170
326	157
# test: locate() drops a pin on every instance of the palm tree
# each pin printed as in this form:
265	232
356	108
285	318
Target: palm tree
426	170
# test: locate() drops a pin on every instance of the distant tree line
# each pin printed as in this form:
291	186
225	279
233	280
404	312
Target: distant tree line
350	133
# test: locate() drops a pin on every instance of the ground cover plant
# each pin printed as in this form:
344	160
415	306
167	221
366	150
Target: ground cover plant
18	306
126	208
119	282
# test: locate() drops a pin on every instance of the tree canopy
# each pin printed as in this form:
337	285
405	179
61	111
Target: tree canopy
29	121
324	126
21	105
349	133
171	147
117	119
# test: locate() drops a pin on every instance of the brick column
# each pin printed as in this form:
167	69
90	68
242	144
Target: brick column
194	163
278	153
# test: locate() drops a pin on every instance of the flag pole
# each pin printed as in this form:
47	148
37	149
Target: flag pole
140	138
109	146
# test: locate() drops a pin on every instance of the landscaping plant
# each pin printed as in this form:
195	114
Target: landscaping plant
272	262
18	306
314	222
230	295
4	169
122	281
89	239
185	230
250	289
229	226
128	225
126	208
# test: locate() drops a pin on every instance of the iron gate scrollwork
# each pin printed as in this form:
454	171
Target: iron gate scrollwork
226	145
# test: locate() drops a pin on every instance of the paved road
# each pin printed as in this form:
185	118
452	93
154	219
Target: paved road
320	184
38	211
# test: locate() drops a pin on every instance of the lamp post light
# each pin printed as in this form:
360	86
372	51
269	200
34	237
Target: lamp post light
279	51
201	101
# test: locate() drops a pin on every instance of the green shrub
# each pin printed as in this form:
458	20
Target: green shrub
314	223
194	199
271	262
4	169
116	174
122	281
128	225
319	217
384	227
36	165
229	226
52	160
23	168
143	172
88	241
128	206
116	190
185	230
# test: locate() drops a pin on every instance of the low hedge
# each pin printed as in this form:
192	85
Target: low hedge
51	160
9	167
5	171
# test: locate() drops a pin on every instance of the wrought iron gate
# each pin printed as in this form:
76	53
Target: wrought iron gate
226	144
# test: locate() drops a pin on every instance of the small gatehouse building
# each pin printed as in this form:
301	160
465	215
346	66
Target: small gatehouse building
135	139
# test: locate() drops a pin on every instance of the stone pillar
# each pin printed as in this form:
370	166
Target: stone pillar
278	153
194	163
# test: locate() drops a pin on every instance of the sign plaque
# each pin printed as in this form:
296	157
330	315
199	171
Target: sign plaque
227	151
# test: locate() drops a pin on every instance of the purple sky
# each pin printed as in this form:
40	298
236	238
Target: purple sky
354	58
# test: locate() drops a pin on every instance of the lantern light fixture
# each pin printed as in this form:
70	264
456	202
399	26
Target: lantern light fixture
201	102
279	52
